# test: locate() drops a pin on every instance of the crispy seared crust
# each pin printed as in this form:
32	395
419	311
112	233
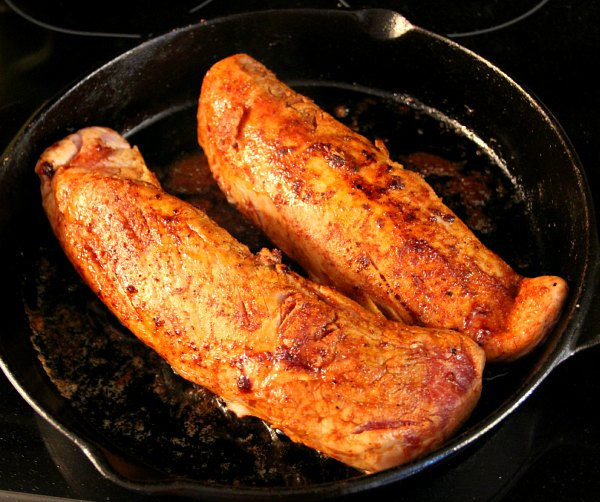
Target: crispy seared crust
357	220
369	392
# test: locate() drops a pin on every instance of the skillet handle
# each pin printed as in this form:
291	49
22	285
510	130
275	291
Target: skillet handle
590	326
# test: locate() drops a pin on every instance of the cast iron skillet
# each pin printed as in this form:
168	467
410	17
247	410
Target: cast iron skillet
376	54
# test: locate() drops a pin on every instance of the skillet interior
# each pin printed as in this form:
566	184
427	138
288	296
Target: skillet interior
157	86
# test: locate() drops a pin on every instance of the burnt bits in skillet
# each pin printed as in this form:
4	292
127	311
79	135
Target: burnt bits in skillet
125	392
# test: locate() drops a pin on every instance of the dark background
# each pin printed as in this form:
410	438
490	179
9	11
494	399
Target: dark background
549	449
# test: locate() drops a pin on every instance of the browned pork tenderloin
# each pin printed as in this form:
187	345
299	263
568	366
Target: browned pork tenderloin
355	219
366	391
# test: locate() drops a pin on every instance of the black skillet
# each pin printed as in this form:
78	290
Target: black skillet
410	87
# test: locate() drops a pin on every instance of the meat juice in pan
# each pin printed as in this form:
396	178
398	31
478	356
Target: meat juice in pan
140	407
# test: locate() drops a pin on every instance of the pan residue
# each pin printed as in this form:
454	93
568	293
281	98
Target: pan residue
131	398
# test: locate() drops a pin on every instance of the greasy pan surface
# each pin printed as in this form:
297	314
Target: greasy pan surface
143	426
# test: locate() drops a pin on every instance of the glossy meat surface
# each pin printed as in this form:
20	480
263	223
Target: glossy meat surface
355	219
367	391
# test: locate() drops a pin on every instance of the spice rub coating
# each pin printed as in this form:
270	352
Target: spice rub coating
355	219
369	392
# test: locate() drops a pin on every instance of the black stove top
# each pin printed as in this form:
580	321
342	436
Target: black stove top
549	449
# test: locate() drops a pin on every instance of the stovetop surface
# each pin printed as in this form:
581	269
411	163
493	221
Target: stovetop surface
549	448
